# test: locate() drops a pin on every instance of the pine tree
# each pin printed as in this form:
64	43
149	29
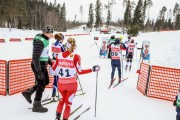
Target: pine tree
149	5
98	14
109	12
157	25
91	17
63	17
175	10
138	19
128	12
108	17
81	12
144	9
162	16
177	22
176	13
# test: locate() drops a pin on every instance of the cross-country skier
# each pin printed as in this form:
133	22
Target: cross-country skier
126	43
57	47
111	40
40	60
130	54
115	58
69	64
177	104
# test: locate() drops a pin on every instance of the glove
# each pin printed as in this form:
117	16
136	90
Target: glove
174	103
40	75
95	68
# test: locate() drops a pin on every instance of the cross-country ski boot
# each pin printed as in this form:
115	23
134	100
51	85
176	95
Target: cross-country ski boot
58	116
119	80
37	107
112	81
27	94
54	98
126	67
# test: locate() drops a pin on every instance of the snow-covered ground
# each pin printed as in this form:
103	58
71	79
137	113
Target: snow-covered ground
124	102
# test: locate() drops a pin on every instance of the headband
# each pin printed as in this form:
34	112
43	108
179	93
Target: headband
68	45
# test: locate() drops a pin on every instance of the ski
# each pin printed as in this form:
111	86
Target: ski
112	83
49	99
77	117
80	94
45	99
75	110
120	82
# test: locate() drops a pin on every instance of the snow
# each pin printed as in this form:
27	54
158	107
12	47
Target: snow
124	102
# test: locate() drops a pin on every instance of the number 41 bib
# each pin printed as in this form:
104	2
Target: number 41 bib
66	69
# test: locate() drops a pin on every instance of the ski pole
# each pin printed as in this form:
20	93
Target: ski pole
122	64
96	93
57	87
80	85
136	54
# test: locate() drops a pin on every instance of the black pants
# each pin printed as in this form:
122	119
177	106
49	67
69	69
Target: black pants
40	84
129	57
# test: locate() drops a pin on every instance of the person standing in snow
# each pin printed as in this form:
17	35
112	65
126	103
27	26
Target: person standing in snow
57	47
110	41
115	58
177	104
69	64
130	54
126	43
40	60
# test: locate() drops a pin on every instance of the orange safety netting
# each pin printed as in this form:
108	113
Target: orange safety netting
51	79
21	76
143	78
3	77
163	83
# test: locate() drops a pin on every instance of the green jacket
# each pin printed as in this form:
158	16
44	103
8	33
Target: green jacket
110	41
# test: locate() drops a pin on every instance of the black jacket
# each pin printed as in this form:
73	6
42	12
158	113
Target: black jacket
38	47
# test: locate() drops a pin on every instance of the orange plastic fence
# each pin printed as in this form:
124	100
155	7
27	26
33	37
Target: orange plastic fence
21	76
2	40
3	77
164	83
15	40
143	78
51	78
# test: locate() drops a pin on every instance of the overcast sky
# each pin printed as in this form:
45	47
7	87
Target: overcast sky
73	8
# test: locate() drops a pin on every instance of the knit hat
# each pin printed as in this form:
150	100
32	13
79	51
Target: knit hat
48	29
